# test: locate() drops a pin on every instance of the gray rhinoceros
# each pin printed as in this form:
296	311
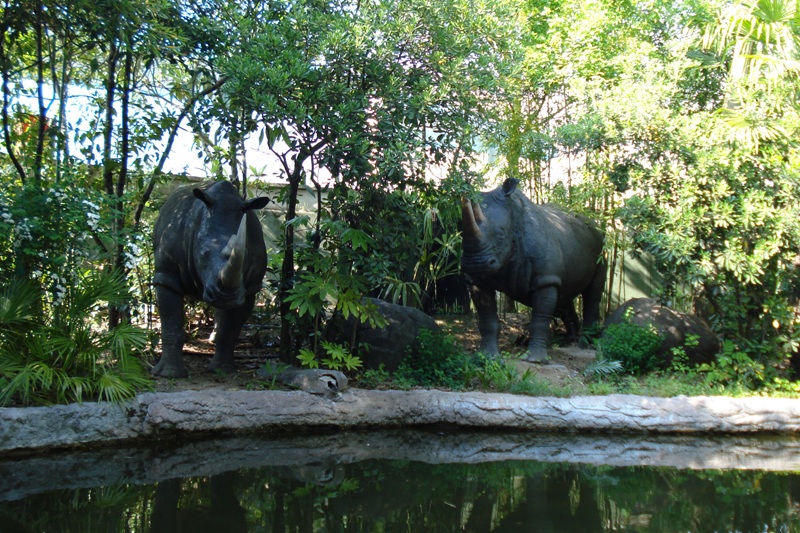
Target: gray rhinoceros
536	254
208	246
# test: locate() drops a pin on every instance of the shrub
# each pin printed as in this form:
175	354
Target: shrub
634	346
435	360
54	352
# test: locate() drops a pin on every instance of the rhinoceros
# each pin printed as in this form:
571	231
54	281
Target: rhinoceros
208	246
536	254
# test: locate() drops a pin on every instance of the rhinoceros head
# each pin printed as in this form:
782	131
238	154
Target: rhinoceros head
220	245
487	226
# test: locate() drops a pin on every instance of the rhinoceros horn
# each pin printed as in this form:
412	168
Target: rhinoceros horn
230	275
472	216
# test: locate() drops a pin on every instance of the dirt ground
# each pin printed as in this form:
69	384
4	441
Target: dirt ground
259	344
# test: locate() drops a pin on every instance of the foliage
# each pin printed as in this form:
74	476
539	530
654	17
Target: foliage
50	231
337	357
53	352
735	367
367	96
663	385
372	378
435	360
331	281
634	346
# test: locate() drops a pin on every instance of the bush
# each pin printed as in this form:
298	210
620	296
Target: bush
634	346
435	360
56	353
438	361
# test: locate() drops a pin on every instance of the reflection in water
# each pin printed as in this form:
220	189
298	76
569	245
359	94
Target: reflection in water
399	495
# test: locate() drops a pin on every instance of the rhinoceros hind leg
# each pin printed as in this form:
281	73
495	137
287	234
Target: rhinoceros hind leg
566	312
593	295
543	306
170	308
228	325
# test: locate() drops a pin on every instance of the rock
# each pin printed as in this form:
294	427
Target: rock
180	415
673	326
328	383
385	346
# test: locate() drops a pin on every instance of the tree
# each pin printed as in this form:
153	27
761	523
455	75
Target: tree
70	187
717	206
373	93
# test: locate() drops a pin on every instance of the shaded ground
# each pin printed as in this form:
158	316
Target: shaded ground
259	344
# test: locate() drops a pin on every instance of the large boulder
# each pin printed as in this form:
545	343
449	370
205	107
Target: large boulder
385	346
675	327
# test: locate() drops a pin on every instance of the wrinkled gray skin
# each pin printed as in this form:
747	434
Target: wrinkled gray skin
536	254
208	246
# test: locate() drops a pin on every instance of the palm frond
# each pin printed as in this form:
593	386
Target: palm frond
602	367
58	354
749	129
18	305
763	37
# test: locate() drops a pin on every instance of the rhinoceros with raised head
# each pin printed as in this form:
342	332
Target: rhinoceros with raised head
208	246
536	254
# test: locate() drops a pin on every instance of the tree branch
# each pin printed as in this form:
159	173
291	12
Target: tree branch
5	90
168	148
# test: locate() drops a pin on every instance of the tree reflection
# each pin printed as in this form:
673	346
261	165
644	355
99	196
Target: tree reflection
388	496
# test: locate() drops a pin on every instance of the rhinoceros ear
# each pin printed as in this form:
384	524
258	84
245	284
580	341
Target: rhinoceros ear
203	197
256	203
509	186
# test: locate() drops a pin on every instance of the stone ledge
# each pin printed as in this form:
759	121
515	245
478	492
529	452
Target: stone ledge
168	415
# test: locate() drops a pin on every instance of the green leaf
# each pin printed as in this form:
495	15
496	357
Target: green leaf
357	238
308	359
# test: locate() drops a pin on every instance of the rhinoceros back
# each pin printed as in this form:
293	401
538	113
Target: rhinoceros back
173	242
561	245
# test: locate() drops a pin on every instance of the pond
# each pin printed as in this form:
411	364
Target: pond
411	481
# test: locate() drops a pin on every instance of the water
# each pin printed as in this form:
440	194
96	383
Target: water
411	481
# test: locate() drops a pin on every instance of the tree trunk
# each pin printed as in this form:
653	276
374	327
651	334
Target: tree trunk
287	267
294	174
61	85
40	130
108	127
4	64
117	314
116	190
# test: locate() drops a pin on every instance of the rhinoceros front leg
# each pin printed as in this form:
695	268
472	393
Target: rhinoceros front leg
485	301
170	307
228	325
543	305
